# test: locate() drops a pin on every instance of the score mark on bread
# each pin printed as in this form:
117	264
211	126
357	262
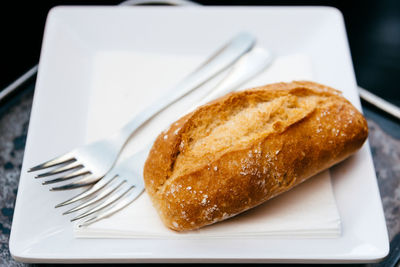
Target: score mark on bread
242	149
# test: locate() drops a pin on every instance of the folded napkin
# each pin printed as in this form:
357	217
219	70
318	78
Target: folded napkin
125	82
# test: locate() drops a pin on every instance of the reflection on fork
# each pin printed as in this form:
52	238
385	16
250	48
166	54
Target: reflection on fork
124	182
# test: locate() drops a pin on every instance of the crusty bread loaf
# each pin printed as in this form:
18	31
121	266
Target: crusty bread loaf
247	147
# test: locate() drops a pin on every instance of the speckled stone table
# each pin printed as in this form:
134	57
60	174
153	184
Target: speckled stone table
384	140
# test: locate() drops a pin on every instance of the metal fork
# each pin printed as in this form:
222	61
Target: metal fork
124	183
92	161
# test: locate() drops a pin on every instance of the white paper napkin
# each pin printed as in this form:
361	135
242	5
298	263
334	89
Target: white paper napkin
125	82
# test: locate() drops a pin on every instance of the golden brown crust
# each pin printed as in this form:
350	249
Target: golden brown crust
195	176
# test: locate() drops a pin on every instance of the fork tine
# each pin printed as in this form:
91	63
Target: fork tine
103	205
69	167
114	209
89	180
67	177
106	192
53	162
96	187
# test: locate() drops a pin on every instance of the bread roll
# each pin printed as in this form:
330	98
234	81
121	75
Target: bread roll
242	149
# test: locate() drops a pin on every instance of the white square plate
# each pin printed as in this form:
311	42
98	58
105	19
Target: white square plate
73	38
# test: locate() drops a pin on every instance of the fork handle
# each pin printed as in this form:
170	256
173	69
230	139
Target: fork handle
247	67
221	60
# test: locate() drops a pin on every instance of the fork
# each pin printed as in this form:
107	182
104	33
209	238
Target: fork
124	182
92	161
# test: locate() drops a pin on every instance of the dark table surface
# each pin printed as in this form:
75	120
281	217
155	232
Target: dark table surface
375	51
